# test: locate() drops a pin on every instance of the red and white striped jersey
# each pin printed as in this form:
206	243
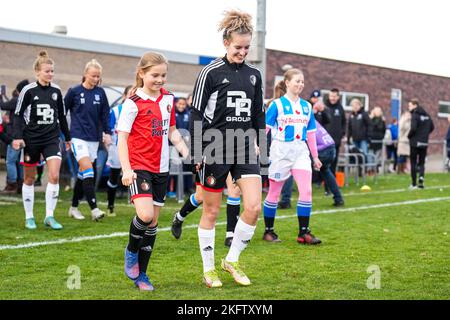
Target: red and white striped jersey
148	121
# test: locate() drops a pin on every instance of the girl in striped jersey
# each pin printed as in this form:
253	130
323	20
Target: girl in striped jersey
113	155
292	124
146	124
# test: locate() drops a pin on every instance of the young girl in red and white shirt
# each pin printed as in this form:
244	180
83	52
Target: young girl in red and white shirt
146	125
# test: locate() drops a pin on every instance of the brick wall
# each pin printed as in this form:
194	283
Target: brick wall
377	82
16	63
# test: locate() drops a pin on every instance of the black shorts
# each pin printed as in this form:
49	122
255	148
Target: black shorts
149	184
213	177
31	154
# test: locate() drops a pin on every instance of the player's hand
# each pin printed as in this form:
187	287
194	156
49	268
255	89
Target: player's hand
197	166
317	164
107	139
128	177
17	144
68	144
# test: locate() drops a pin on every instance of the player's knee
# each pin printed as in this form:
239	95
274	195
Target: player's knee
253	208
145	215
198	196
306	194
234	192
29	181
210	212
53	177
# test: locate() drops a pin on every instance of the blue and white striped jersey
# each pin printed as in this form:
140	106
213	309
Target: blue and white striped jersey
290	120
114	115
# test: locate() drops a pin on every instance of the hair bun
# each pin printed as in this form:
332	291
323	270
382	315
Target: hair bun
43	54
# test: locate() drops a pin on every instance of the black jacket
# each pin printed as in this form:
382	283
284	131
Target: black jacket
337	125
377	128
358	126
421	127
227	96
40	114
323	117
9	106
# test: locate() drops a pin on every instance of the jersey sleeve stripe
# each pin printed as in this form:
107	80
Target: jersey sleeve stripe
198	94
22	95
202	76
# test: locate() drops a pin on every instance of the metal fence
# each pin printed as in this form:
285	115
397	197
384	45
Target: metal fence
358	165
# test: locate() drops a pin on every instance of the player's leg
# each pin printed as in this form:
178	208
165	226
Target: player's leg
159	187
78	188
213	182
86	153
52	156
30	156
303	178
112	184
249	182
279	174
192	203
233	209
141	197
270	210
206	235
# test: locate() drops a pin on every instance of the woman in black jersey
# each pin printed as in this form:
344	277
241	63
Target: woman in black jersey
228	104
39	118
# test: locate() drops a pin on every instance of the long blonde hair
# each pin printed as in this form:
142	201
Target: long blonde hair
41	59
148	60
235	21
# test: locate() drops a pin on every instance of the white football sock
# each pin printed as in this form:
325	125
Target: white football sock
243	233
206	240
51	198
28	200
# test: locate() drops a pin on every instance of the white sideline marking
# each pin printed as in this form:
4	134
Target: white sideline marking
361	193
12	200
123	234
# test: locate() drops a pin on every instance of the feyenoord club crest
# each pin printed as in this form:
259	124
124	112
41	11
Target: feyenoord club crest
169	108
54	96
145	186
211	181
253	80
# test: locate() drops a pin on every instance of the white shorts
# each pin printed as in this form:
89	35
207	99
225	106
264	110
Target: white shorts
113	157
82	149
285	156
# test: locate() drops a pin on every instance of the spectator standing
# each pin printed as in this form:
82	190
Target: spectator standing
358	126
403	150
336	126
391	146
377	131
421	127
14	170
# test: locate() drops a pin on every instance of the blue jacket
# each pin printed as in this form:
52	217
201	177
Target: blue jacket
182	119
89	112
